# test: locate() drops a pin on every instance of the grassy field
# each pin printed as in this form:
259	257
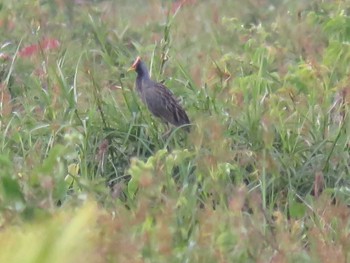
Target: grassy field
86	175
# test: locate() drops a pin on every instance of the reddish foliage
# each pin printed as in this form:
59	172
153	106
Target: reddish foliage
102	150
29	50
45	44
50	43
318	184
178	4
7	24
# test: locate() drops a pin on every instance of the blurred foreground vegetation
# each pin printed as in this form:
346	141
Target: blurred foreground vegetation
86	175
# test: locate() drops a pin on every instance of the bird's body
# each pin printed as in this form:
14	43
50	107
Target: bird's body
159	100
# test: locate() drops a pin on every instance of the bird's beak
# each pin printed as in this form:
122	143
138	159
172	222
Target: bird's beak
131	69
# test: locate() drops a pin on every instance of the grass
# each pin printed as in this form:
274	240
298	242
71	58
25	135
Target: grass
86	175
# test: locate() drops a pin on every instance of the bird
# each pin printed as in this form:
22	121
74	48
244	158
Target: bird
159	100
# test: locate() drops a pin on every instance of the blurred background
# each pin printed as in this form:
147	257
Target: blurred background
86	175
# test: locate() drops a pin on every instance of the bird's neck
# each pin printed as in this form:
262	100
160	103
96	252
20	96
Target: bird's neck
142	71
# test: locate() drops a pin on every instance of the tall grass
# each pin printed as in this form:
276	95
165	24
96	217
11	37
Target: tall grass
86	174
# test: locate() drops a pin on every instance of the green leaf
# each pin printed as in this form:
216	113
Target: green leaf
11	188
296	209
49	163
132	187
5	162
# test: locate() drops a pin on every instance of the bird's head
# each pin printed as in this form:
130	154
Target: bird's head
135	64
140	68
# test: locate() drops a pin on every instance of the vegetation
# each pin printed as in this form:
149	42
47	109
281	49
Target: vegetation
86	175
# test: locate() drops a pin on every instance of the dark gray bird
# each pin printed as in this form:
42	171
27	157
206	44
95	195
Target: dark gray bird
159	99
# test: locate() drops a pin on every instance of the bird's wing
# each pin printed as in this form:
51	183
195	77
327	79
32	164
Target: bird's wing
163	104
